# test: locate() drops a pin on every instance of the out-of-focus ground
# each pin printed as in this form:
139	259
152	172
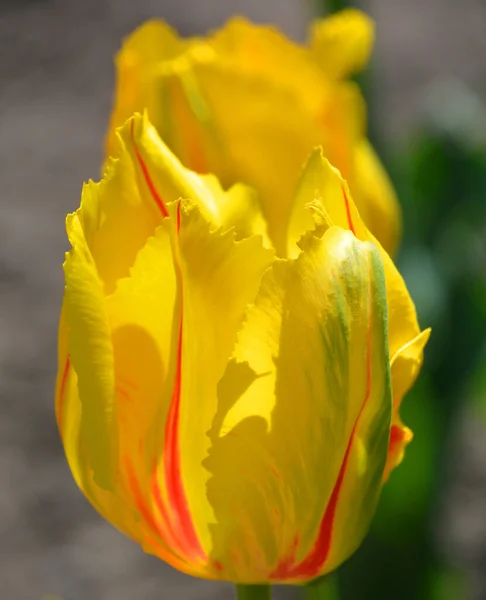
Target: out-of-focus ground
56	81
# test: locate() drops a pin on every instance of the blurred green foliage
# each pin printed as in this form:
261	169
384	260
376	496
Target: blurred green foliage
440	177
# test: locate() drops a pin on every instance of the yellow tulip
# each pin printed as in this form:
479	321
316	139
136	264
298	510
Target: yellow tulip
249	105
229	410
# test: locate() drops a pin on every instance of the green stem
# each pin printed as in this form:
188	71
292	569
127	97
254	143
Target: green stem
253	592
324	588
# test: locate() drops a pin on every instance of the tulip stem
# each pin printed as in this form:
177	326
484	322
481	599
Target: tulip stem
324	588
253	592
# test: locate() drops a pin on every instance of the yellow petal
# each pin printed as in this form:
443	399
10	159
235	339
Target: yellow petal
217	277
163	175
137	64
239	207
342	43
222	111
122	211
265	132
262	51
376	198
69	416
91	356
343	125
322	184
141	314
138	321
288	405
248	104
118	215
405	367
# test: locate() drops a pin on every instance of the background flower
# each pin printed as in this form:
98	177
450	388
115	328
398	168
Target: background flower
248	104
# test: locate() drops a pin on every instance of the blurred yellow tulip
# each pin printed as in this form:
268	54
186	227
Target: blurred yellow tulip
229	410
249	105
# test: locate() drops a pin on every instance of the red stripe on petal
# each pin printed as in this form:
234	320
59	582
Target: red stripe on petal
182	520
140	501
62	390
146	175
397	436
154	525
348	211
163	510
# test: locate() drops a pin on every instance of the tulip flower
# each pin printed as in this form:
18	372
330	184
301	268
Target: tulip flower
233	411
249	105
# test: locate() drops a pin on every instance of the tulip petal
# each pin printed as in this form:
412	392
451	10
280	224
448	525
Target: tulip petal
264	51
342	43
201	91
217	277
378	204
299	392
141	317
227	103
141	314
69	417
122	211
91	356
271	121
321	181
406	363
137	63
109	503
405	368
322	184
238	207
118	215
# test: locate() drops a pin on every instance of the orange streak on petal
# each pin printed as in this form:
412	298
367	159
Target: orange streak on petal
148	179
217	565
287	563
127	383
196	156
172	538
348	211
122	392
140	502
397	437
62	390
161	530
182	521
400	436
166	555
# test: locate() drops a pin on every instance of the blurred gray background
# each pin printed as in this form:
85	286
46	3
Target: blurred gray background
56	79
